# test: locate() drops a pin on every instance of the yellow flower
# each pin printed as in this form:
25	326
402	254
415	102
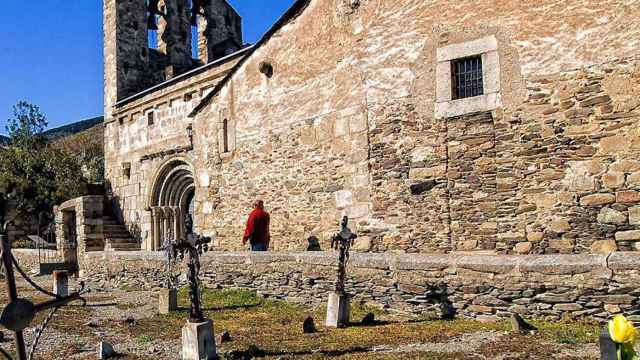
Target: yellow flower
622	330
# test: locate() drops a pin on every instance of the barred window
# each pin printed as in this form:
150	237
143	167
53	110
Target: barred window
466	76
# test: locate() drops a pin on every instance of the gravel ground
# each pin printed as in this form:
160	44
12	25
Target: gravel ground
75	332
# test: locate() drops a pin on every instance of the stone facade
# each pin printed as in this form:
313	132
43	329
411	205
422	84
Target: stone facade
348	123
479	286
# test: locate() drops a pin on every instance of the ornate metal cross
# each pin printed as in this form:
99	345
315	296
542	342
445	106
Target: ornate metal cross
342	242
193	246
18	314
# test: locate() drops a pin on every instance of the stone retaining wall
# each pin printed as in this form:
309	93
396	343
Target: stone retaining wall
480	286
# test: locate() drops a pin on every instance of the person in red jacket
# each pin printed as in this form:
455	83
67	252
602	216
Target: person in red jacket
257	231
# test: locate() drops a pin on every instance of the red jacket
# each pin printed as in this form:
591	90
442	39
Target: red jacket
258	225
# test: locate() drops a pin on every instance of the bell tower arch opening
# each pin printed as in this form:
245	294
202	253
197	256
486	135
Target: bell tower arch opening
171	201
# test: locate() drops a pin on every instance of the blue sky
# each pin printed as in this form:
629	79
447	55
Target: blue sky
51	53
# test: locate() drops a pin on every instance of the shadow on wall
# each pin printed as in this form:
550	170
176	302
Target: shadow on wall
438	294
112	206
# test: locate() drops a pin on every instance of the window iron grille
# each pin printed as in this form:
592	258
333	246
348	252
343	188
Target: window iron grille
466	76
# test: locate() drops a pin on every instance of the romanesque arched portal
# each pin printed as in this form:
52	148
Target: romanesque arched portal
171	199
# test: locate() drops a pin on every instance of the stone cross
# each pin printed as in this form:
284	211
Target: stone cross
342	242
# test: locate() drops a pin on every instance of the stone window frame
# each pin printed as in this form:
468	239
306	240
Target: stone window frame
151	117
487	49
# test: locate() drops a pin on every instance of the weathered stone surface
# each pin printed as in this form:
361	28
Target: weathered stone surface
628	197
634	215
598	199
630	235
604	246
295	136
610	216
523	248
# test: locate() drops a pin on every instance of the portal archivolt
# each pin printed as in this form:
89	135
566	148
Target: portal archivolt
171	200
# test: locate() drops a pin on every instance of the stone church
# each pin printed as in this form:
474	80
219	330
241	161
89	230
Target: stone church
496	127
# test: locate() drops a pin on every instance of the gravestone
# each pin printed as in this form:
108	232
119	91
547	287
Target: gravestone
339	307
338	310
608	348
197	341
61	283
167	301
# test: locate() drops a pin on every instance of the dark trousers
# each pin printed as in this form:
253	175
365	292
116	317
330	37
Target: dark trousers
259	247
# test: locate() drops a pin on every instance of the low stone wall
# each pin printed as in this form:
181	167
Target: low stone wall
479	286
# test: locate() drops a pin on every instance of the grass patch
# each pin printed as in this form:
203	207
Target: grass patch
144	339
222	299
569	331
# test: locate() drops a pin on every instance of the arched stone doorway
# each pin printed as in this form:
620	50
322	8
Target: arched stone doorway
171	199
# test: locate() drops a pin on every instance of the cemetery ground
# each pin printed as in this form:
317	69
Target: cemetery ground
272	329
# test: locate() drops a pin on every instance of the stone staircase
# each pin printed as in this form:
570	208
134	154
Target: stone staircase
117	237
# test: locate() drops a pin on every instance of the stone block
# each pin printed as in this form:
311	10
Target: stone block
613	180
480	309
535	236
559	226
597	200
198	341
167	301
630	235
523	247
344	198
614	144
628	197
611	216
604	246
633	180
634	215
567	307
625	166
362	243
338	310
564	245
426	173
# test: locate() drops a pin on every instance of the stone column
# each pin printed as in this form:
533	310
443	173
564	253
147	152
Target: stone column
152	234
157	244
177	222
156	228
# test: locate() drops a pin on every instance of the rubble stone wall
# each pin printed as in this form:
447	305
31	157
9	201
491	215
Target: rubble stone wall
479	286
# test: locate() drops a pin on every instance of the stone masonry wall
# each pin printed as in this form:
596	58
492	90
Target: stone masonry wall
479	286
347	124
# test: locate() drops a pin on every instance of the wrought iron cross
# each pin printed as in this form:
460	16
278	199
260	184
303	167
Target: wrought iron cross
193	247
18	314
342	242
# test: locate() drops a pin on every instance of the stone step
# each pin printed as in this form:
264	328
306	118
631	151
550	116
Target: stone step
125	247
122	240
118	234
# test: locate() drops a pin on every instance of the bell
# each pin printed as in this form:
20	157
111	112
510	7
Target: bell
152	23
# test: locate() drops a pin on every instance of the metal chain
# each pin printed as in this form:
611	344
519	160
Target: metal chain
31	282
39	332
